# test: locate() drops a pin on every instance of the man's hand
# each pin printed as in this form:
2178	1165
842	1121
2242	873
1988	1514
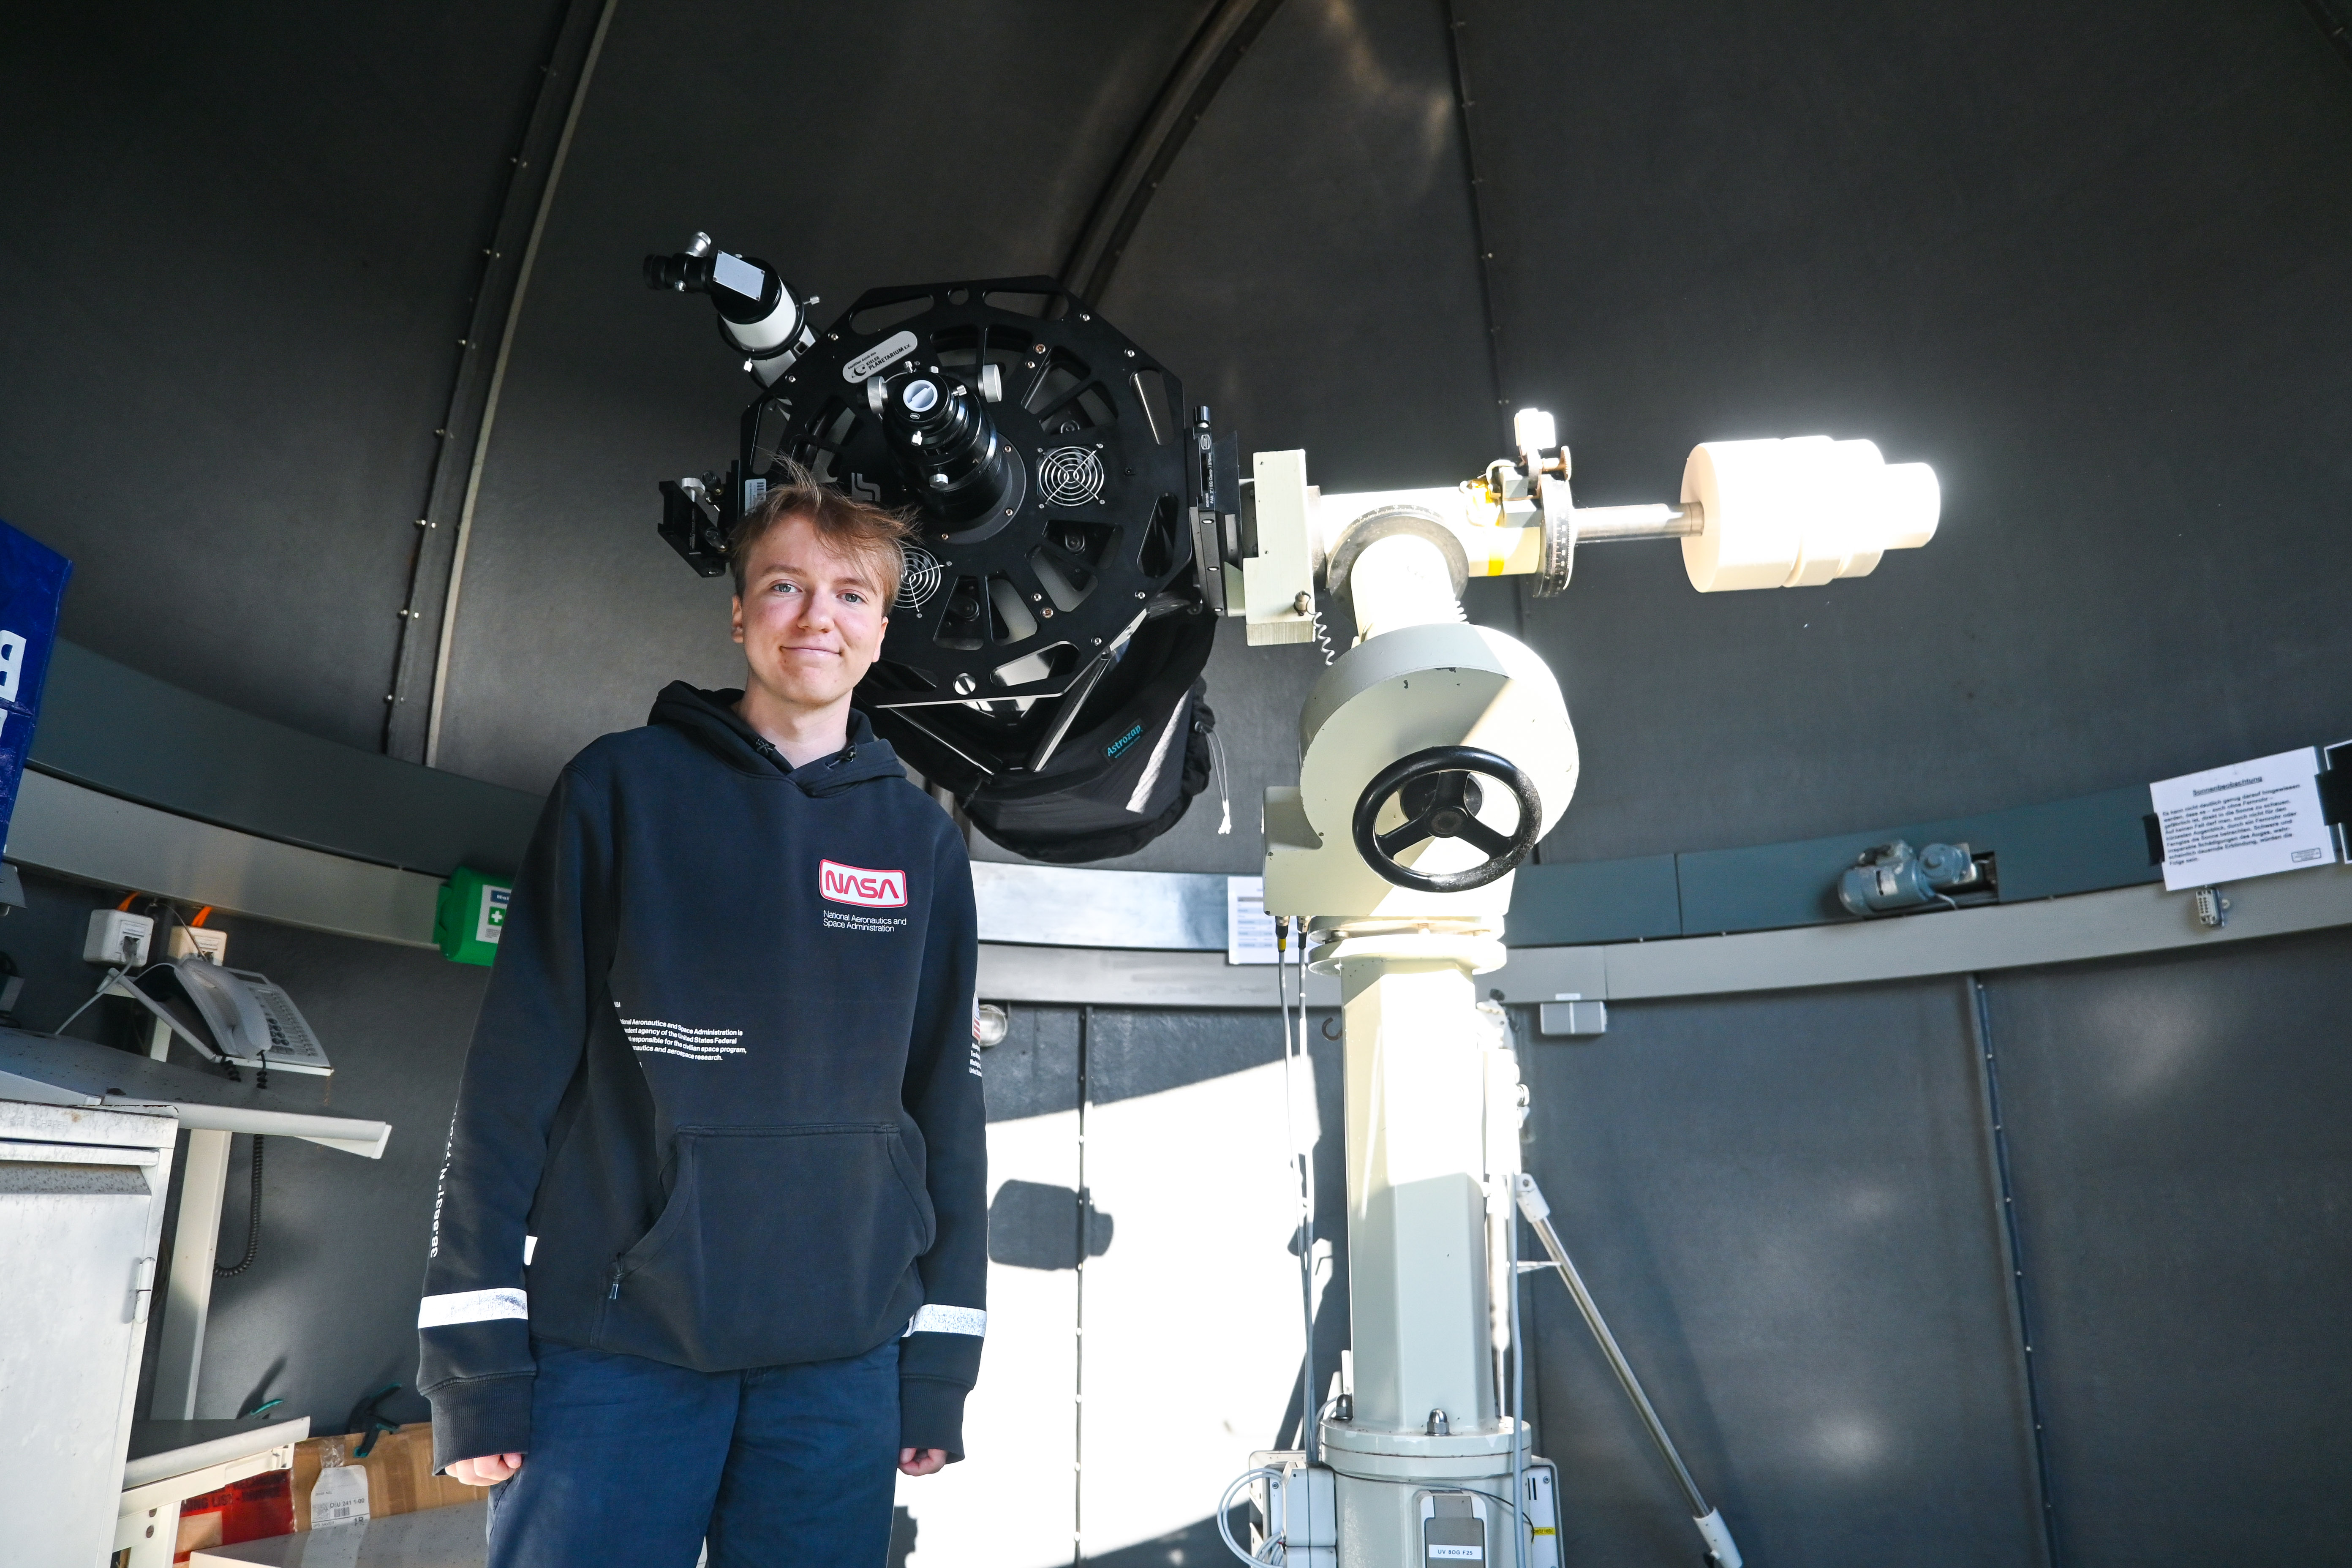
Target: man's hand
912	1462
492	1468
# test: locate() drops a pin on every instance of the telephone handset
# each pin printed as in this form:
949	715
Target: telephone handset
244	1013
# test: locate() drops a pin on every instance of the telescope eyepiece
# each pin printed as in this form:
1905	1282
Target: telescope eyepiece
684	271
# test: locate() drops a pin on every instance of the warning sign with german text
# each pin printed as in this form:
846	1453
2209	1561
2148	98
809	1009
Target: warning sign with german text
2250	819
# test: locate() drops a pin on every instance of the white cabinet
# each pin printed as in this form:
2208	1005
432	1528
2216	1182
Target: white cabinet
82	1209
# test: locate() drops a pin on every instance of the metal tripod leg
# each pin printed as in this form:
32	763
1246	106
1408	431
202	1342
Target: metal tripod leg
1711	1528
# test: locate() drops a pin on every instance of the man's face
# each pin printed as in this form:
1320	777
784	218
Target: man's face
810	616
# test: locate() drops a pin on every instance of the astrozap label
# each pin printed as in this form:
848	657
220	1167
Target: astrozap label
889	351
856	885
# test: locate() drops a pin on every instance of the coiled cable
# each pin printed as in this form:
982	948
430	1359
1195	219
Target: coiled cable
252	1213
1274	1532
252	1223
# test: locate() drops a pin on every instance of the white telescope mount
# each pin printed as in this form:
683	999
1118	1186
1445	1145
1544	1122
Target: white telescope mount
1435	755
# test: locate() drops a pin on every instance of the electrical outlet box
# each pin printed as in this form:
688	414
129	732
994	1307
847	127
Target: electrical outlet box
203	942
1541	1500
468	916
119	937
1300	1511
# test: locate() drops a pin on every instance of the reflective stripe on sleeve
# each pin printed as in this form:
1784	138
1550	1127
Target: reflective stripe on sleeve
471	1307
947	1321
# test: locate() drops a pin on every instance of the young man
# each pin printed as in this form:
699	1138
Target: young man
710	1246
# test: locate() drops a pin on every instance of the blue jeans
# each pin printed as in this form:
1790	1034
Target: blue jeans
634	1462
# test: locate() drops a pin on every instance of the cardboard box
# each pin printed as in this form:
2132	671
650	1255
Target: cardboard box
398	1474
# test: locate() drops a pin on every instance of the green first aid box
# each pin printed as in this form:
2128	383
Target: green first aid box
468	916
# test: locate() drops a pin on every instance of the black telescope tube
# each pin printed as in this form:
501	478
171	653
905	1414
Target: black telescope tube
953	456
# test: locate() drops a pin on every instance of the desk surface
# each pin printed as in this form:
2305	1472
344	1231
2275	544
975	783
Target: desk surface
52	1069
163	1449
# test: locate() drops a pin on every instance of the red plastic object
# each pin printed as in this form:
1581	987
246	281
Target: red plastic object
254	1508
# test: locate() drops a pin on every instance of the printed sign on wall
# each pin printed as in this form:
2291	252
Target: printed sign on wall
1249	929
2250	819
32	587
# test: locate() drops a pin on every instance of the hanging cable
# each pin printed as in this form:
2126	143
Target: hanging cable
1518	1388
252	1221
253	1213
1224	782
1504	1148
1290	1137
1294	1052
1307	1153
1273	1523
168	907
1519	1514
111	976
1294	1046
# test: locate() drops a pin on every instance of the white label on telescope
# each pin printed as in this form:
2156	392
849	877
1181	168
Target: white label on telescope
735	273
2228	823
889	351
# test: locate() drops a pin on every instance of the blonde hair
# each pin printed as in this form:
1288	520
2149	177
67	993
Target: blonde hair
855	527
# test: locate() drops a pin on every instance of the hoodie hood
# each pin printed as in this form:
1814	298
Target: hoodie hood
710	717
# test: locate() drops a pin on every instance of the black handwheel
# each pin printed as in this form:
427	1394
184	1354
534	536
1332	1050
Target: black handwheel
1440	800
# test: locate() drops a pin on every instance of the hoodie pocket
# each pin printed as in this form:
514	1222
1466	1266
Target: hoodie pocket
778	1245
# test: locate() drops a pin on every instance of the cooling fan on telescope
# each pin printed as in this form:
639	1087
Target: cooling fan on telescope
1070	475
921	578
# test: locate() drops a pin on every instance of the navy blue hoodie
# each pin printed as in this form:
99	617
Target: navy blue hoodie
723	1079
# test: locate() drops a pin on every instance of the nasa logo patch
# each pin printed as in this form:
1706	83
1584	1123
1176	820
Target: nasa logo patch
857	885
